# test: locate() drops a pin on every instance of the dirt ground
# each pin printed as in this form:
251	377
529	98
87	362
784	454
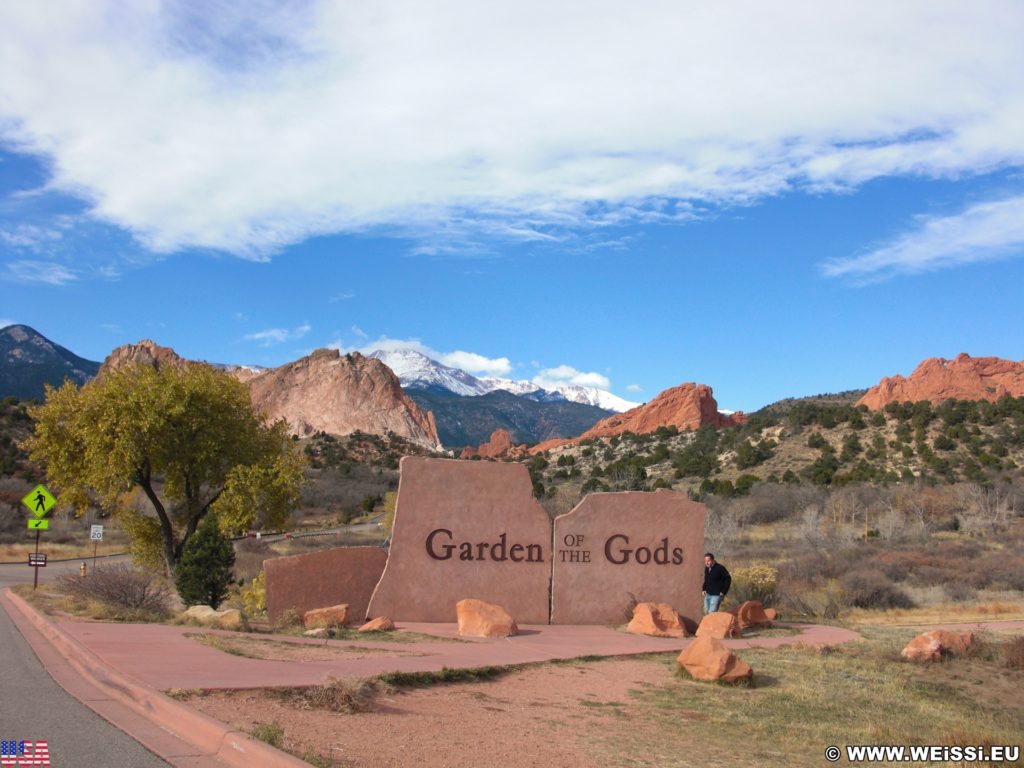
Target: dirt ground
633	711
569	715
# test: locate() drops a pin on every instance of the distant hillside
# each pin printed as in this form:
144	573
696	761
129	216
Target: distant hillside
784	406
806	443
465	421
28	361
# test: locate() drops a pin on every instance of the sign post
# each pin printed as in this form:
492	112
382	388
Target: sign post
96	534
39	501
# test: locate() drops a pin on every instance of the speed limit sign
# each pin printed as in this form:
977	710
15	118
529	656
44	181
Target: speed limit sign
96	533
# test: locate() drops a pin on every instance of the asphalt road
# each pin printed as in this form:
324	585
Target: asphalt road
33	707
21	573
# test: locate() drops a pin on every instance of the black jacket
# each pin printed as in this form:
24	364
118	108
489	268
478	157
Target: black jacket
717	580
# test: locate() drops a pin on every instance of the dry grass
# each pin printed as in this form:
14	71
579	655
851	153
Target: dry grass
344	696
948	613
50	600
803	701
19	552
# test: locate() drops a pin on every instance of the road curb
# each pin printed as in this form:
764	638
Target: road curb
211	737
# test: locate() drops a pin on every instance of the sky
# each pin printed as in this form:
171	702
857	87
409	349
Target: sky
774	201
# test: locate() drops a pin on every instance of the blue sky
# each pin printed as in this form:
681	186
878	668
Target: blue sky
624	196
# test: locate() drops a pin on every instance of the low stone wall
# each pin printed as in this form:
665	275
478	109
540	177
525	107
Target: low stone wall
320	579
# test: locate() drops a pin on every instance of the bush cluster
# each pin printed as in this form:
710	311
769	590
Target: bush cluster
120	586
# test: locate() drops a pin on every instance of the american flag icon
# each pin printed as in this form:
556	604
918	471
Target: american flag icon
17	753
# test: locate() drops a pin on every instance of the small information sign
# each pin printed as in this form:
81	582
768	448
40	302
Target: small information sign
96	533
37	560
37	524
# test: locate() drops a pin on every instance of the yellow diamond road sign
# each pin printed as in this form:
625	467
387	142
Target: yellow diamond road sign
39	501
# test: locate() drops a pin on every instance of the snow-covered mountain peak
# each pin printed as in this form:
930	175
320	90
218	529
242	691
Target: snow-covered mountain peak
417	371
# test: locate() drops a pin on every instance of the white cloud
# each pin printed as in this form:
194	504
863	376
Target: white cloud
468	361
247	127
983	232
477	364
634	388
25	271
343	296
566	374
273	336
386	344
4	322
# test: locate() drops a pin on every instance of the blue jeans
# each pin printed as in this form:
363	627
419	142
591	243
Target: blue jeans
711	603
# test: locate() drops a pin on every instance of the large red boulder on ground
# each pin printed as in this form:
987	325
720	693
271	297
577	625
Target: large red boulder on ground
707	659
334	616
719	624
932	645
380	624
657	620
480	619
752	614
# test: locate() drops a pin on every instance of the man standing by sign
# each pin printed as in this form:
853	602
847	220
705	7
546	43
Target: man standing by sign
716	583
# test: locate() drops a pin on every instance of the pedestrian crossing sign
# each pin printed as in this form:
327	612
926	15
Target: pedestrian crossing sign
39	501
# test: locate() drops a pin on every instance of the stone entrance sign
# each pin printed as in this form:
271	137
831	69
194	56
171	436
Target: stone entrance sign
618	549
465	529
321	579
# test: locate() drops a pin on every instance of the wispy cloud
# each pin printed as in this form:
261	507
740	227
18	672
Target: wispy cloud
566	374
297	119
26	271
983	232
634	388
273	336
343	296
29	236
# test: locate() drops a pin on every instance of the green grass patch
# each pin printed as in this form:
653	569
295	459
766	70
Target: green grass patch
271	733
444	676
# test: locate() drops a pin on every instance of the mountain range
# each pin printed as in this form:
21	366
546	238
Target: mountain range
336	393
433	404
29	361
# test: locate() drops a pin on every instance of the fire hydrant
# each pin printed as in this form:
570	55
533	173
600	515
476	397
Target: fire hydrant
82	570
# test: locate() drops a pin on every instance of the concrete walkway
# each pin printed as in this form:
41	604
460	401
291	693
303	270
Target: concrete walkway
163	657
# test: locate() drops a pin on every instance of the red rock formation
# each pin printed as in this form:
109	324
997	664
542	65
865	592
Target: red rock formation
339	394
145	352
500	445
938	379
688	406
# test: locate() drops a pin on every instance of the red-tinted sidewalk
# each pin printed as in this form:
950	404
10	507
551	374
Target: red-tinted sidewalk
163	657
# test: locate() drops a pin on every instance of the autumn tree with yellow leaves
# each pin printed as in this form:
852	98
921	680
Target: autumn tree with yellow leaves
186	436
